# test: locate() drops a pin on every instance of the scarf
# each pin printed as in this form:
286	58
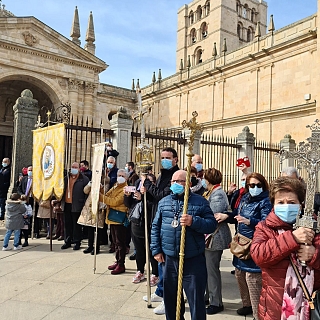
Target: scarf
241	193
197	187
207	194
294	305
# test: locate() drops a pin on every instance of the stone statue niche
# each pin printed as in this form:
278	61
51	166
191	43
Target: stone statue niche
8	113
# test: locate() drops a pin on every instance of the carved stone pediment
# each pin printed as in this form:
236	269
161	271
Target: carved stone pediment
29	38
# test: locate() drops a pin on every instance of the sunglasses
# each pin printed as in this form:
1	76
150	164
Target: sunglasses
252	185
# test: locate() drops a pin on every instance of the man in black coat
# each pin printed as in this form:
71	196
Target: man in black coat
5	175
73	201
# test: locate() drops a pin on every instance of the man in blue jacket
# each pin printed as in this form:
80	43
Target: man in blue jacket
165	246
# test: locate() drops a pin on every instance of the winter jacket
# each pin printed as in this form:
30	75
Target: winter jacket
255	209
5	176
14	214
113	175
219	203
270	250
78	196
161	189
166	239
114	199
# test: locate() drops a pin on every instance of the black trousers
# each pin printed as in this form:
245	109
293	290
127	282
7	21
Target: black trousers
91	231
25	233
118	232
139	244
72	230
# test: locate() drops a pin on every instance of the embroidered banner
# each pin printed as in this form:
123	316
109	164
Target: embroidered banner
48	162
97	164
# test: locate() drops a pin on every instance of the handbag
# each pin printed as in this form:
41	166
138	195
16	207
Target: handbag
208	239
314	300
117	216
240	246
136	214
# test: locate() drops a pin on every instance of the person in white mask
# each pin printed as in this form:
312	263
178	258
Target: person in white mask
117	218
253	208
275	241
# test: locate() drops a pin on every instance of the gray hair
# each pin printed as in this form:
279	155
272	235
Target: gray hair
290	172
127	174
111	158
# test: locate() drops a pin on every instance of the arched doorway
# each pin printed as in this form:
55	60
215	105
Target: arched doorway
10	90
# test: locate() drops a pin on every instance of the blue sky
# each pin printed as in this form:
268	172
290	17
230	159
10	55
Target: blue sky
135	37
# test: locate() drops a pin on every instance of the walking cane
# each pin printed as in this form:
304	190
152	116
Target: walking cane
193	127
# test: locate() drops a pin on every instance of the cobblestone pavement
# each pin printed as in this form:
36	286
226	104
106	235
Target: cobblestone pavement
37	283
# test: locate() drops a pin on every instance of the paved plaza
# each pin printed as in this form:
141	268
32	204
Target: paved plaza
38	284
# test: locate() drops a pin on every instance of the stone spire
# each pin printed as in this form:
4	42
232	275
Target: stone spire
271	24
258	31
90	38
75	30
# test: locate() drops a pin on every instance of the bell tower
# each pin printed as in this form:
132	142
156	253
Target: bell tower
202	23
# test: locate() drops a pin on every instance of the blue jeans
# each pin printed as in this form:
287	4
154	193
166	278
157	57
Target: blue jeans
8	235
2	207
159	290
194	284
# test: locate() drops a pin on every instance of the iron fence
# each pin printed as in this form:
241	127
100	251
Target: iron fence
160	139
221	153
265	161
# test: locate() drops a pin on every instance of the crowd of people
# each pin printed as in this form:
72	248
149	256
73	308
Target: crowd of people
262	211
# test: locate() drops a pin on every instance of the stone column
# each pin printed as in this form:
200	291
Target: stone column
73	86
25	117
121	124
287	144
196	144
246	142
88	101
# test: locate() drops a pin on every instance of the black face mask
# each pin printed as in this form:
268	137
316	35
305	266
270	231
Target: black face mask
194	181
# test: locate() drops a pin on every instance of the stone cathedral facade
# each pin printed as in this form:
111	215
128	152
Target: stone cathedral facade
232	66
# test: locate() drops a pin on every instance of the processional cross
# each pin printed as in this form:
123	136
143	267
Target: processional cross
308	157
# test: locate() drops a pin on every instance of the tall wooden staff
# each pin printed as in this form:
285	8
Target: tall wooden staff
193	126
144	159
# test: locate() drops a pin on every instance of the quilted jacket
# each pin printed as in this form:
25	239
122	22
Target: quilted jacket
270	250
166	239
256	209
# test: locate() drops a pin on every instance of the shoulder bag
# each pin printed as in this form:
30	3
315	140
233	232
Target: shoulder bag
314	300
240	246
136	214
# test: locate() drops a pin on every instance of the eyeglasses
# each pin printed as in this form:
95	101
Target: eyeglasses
252	185
178	181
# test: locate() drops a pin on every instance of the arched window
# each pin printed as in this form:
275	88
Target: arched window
238	8
193	35
245	11
239	31
204	30
249	34
198	56
199	13
207	7
253	15
191	17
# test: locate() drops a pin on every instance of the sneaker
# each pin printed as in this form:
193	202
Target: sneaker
214	309
138	277
19	247
154	298
244	311
153	280
160	309
6	248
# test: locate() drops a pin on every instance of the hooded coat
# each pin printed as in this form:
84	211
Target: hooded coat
271	250
14	214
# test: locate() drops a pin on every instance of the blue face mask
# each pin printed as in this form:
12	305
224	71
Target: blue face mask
199	166
243	183
126	168
166	163
109	165
74	171
177	188
4	164
29	173
255	191
204	184
287	212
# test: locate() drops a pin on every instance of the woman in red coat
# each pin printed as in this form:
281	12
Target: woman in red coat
273	243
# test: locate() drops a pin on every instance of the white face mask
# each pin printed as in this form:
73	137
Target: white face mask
121	180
